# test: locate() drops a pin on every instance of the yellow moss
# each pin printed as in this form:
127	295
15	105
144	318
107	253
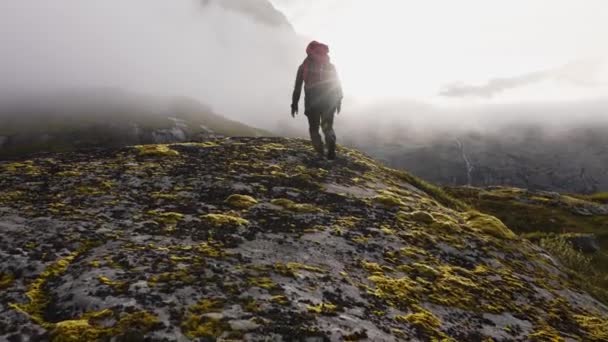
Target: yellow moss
596	328
180	276
11	196
387	230
210	249
166	217
361	239
241	201
163	195
425	322
291	269
207	305
69	174
26	167
119	286
375	268
425	270
399	292
489	225
295	207
38	299
280	299
141	321
323	309
416	216
85	328
388	199
270	147
206	144
197	326
6	280
262	282
546	333
224	220
89	191
413	252
156	151
348	221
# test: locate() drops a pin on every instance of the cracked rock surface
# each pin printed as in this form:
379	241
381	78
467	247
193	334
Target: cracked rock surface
255	239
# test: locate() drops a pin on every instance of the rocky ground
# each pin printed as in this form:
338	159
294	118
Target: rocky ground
258	240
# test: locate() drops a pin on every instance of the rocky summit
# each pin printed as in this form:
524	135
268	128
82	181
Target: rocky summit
256	239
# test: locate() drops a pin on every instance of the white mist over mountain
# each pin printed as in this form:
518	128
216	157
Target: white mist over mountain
236	56
403	63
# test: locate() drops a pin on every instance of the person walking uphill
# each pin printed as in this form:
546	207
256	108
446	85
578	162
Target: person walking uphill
323	96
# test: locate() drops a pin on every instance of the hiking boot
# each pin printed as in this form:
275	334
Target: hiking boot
331	154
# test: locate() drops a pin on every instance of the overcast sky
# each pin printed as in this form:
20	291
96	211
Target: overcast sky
467	51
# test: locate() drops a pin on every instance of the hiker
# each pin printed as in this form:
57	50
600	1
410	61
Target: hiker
323	96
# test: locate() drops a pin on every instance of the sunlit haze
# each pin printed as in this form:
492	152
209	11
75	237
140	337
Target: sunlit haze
418	49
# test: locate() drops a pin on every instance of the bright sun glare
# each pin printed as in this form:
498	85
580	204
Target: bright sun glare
407	49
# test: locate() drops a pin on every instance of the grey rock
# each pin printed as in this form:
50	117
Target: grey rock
586	243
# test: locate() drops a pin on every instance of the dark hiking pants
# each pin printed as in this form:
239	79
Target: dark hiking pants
323	118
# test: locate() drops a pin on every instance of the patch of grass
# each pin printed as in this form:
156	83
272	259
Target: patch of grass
600	197
432	190
580	266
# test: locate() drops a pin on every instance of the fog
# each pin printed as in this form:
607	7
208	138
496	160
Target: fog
579	73
240	57
235	57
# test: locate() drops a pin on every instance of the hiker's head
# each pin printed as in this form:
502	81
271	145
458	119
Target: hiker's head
318	51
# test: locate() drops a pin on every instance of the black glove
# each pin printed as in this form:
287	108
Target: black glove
339	107
294	110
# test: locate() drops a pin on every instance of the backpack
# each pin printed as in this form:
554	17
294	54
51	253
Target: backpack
316	67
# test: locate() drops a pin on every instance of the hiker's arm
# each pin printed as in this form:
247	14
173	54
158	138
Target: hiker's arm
297	91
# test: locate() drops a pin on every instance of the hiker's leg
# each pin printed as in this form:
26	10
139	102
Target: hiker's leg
327	125
314	121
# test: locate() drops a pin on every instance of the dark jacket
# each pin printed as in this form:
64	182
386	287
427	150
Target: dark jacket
319	95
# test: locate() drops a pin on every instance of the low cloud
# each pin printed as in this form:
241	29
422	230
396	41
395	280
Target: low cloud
580	73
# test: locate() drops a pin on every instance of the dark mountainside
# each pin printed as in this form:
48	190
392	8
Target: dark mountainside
103	118
527	156
255	239
573	228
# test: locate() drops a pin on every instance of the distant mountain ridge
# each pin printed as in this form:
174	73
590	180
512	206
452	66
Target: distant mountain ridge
526	156
103	118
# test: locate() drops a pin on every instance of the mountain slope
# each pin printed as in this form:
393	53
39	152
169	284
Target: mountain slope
107	118
573	227
256	239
